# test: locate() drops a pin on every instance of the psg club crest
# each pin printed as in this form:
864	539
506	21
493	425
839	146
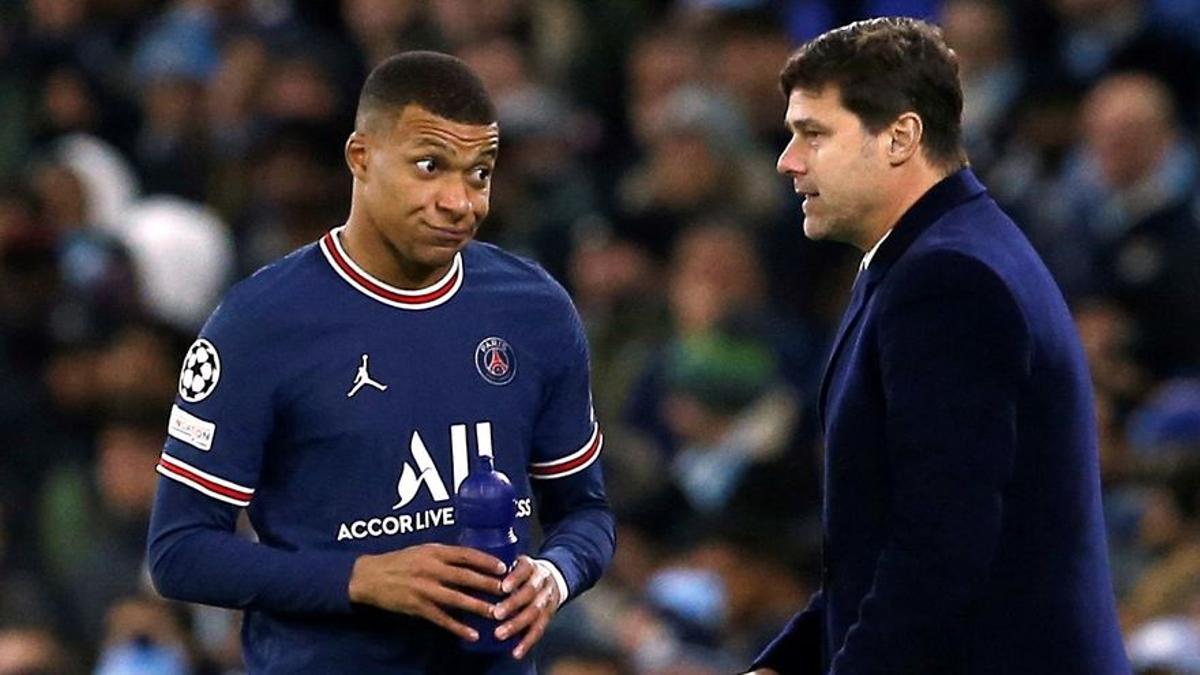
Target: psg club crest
201	371
495	361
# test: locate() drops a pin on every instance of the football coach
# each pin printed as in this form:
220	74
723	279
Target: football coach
962	519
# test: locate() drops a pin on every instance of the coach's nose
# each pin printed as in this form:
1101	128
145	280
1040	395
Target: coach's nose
791	161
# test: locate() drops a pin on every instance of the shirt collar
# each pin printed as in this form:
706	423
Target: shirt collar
957	188
866	261
423	298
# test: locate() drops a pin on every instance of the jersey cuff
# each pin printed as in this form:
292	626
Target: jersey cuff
556	575
571	464
204	482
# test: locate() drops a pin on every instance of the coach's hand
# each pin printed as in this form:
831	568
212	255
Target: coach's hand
425	581
533	600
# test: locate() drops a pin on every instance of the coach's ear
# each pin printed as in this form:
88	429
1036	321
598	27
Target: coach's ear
356	155
904	138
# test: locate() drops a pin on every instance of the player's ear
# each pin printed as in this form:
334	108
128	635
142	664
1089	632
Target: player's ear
904	138
356	155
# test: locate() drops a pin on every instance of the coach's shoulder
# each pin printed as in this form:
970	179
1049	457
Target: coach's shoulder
942	271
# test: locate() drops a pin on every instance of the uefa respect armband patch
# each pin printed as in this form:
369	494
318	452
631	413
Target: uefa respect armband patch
190	429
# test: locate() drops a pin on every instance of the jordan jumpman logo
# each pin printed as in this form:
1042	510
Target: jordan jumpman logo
362	379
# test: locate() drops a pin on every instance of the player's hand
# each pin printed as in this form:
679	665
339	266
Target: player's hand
763	671
532	601
428	581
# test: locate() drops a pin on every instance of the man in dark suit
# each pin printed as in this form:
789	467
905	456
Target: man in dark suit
962	517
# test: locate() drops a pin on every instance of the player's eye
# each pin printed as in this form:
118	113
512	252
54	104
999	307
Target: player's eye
481	174
426	165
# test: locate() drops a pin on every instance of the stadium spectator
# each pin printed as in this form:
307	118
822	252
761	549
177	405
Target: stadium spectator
1099	37
980	33
93	518
1170	531
36	651
716	281
1125	228
747	46
145	636
700	162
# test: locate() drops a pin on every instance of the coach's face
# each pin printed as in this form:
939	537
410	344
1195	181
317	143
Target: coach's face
425	184
836	166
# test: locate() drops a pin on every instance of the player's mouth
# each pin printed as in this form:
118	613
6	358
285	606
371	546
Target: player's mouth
807	198
450	236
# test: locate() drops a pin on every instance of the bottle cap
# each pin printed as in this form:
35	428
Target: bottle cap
486	498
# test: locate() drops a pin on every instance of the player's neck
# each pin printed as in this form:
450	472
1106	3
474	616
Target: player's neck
379	258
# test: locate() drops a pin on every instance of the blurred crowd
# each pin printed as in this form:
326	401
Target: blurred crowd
152	152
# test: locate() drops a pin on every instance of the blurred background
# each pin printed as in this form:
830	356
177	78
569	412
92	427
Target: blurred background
152	152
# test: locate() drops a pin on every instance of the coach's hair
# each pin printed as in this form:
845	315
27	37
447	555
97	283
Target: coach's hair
442	84
883	68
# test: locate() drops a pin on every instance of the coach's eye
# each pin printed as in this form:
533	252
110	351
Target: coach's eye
426	166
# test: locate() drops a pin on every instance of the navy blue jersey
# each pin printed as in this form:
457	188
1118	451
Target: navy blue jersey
342	413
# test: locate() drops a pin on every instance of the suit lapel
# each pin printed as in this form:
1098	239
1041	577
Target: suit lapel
858	298
955	189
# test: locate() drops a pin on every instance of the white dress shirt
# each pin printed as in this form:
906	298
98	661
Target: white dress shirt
866	261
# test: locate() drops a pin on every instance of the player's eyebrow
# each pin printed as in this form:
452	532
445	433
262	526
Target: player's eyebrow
430	141
434	142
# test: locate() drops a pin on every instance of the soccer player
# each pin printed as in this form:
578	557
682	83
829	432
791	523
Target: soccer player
963	528
338	395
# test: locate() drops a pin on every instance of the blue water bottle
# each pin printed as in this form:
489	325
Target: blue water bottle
486	510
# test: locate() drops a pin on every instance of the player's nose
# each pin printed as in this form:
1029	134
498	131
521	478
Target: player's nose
454	198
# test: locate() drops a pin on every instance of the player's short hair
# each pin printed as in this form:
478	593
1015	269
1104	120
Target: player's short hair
440	83
883	68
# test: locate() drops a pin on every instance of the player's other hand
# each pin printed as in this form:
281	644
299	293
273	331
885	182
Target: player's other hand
532	599
428	581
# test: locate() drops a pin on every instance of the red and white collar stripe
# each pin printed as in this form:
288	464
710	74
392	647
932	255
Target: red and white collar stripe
422	298
571	464
213	486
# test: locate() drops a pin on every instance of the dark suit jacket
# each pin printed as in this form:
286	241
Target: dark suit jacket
963	529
